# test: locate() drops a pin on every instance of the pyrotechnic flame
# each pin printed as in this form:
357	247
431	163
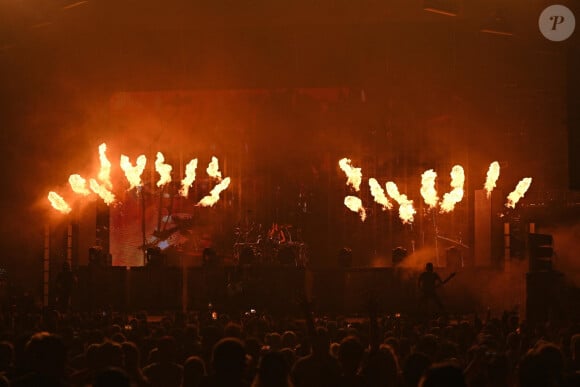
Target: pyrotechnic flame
78	184
450	199
213	169
107	196
406	210
133	172
492	176
353	174
355	205
58	202
379	194
189	178
214	194
163	169
428	190
515	196
105	171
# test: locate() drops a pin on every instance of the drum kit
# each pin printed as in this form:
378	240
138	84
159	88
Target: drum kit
279	245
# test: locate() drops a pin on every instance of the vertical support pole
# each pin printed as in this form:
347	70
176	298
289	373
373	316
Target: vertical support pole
69	244
46	266
507	246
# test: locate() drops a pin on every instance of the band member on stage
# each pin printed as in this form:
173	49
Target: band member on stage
276	234
429	281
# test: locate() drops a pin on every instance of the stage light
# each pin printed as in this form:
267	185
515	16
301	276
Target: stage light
540	252
442	7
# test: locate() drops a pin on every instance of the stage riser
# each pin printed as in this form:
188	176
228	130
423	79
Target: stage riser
277	288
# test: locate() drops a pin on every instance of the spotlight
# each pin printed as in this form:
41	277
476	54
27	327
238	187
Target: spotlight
154	256
442	7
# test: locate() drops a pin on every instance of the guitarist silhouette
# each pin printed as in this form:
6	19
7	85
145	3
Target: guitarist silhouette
429	281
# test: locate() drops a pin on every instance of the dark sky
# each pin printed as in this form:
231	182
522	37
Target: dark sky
436	90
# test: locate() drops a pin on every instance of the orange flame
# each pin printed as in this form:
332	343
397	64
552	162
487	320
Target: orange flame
492	176
353	174
519	192
355	205
428	190
163	169
105	171
450	199
107	196
58	202
133	173
78	184
213	169
214	194
379	194
406	210
189	178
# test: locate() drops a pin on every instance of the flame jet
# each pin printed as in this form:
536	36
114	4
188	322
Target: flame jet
107	196
58	202
379	194
105	171
163	169
214	194
354	175
450	199
492	176
354	204
189	178
213	169
406	210
79	185
133	172
428	190
521	189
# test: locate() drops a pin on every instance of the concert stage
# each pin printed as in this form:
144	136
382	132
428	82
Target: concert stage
276	289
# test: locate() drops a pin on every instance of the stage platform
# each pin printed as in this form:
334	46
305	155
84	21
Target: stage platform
277	288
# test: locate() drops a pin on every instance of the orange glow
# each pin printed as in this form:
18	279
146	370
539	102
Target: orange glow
133	173
163	169
379	194
214	195
105	172
354	204
519	192
58	202
450	199
406	210
492	176
428	190
189	178
107	196
78	185
353	174
213	169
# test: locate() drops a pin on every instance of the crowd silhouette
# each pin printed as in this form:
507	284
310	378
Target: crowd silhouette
54	348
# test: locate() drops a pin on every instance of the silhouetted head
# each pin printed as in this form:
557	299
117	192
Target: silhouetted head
229	358
112	377
274	369
429	266
443	375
